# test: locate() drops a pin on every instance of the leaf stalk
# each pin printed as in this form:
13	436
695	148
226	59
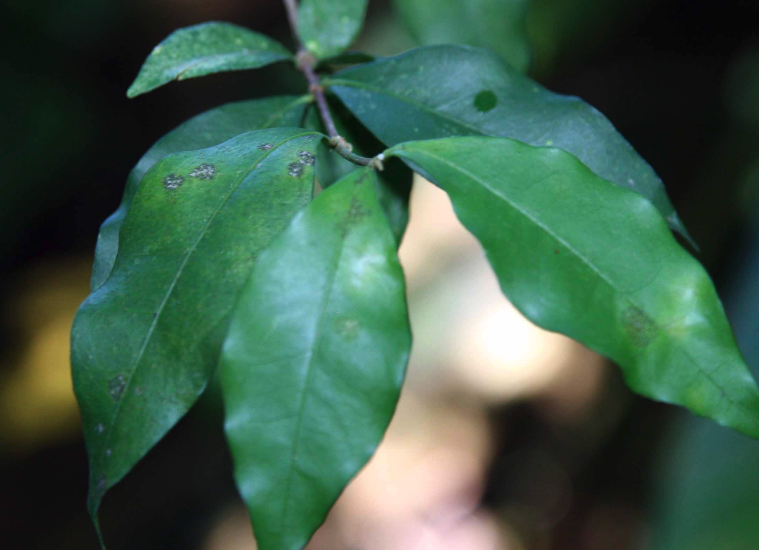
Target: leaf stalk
305	62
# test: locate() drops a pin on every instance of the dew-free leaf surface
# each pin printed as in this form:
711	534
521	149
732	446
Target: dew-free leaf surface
444	91
580	256
314	361
146	342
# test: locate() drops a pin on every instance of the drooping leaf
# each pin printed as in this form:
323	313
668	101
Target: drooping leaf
394	182
314	361
443	91
205	130
327	27
499	25
145	343
591	260
204	49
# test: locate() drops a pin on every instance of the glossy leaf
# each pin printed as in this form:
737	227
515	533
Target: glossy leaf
205	130
444	91
327	27
596	262
393	183
314	361
145	343
499	25
206	49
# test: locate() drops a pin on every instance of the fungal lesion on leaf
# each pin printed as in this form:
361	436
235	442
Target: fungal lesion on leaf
172	181
307	158
639	327
295	169
204	172
265	146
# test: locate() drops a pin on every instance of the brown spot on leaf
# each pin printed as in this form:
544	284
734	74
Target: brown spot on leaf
640	328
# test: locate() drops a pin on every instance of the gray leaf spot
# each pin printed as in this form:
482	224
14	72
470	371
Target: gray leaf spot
265	146
116	386
172	181
295	169
101	428
307	158
107	453
204	172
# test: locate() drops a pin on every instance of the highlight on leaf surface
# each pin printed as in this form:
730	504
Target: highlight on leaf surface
476	93
314	360
206	49
145	343
619	284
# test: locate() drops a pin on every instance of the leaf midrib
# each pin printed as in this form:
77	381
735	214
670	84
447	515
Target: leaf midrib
174	281
601	275
311	368
202	59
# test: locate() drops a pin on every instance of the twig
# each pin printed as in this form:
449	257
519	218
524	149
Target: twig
305	63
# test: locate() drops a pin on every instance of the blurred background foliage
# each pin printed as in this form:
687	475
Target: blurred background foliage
506	437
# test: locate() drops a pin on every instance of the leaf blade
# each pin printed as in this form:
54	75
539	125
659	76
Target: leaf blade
314	361
580	256
145	343
327	27
204	130
206	49
477	94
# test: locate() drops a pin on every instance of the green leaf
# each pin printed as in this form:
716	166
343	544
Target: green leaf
444	91
204	49
327	27
145	343
499	25
596	262
314	361
205	130
394	182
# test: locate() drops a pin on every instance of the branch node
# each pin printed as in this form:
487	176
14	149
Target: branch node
339	142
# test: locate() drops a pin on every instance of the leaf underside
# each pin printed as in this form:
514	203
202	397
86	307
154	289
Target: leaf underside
314	361
204	130
620	284
446	91
206	49
145	343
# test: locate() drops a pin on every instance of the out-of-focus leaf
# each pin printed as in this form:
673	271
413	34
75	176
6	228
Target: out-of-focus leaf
327	27
499	25
443	91
145	343
583	257
203	49
205	130
314	361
